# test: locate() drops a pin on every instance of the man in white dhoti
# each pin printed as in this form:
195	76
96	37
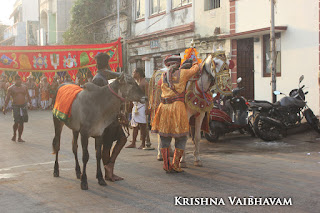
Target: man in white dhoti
139	111
31	85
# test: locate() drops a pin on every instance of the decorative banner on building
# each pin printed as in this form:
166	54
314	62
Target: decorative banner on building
54	59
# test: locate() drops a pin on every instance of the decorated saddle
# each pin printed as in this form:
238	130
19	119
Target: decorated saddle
65	97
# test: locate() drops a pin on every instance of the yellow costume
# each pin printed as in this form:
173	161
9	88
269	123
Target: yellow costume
171	118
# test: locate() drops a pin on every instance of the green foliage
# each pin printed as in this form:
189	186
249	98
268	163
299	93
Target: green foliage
83	26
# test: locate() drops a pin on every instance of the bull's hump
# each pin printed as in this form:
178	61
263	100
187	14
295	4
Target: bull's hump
91	87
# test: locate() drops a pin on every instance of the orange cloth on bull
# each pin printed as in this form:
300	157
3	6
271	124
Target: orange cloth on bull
65	97
171	120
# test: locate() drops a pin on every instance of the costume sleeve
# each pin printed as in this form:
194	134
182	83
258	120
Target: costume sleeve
192	71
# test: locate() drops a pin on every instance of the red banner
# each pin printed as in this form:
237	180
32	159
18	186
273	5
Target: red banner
45	59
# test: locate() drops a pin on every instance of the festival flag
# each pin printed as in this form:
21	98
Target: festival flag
56	59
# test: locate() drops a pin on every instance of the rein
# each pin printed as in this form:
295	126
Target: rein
114	93
202	90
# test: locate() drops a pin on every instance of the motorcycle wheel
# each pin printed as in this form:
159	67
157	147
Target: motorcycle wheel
212	136
249	129
312	120
264	130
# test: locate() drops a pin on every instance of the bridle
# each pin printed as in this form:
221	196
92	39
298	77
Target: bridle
116	94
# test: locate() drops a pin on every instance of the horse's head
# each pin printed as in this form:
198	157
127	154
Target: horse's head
130	89
217	63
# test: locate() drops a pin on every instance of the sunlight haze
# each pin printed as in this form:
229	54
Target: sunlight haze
5	11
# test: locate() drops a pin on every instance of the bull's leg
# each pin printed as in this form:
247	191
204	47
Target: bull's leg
75	152
197	138
99	176
56	143
85	158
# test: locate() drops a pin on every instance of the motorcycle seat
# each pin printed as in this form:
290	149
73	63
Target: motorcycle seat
263	104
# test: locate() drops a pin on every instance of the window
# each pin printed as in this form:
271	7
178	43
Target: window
140	9
158	6
179	3
211	4
267	55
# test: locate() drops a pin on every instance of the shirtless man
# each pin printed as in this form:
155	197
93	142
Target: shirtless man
139	111
19	94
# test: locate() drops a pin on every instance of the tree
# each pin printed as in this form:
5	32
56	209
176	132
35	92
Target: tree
84	23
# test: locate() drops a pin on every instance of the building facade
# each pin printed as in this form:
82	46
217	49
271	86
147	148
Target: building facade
24	30
297	46
55	17
159	28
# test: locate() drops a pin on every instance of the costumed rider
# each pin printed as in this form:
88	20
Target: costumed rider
171	118
114	131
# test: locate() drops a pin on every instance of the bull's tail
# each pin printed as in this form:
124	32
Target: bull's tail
58	125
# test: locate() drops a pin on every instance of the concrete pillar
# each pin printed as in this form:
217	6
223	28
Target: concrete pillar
147	14
148	68
168	10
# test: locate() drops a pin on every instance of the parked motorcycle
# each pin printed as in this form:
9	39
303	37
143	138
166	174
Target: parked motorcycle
273	120
231	116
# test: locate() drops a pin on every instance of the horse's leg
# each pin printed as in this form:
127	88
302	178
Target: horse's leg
56	143
159	156
75	152
197	138
99	176
85	158
183	163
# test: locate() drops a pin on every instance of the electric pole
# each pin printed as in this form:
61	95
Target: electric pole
273	54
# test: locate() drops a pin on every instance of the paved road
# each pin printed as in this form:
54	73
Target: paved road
236	166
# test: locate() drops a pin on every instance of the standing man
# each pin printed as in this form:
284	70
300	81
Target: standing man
171	118
31	85
114	131
19	94
139	111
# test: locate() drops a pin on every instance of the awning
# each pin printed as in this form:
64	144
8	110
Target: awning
253	33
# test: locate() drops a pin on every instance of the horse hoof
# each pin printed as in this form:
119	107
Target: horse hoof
55	174
84	186
159	158
183	164
198	163
102	182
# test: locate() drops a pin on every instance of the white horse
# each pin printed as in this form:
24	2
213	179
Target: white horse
197	103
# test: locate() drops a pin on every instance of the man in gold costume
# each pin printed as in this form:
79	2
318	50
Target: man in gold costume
171	118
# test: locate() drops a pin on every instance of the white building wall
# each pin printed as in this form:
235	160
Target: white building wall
207	21
162	22
299	44
30	10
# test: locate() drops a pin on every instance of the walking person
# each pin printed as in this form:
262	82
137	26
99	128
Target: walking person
114	131
139	111
19	94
